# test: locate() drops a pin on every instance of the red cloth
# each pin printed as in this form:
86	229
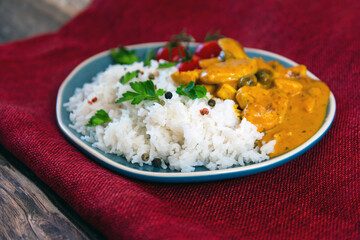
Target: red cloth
314	196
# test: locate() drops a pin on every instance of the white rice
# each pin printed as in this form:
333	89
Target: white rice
176	133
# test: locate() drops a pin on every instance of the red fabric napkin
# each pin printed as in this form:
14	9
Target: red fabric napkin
314	196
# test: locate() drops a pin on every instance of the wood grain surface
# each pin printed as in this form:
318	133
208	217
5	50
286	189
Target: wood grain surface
29	209
25	18
27	213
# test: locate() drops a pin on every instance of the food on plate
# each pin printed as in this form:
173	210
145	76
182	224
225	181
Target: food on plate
283	103
212	107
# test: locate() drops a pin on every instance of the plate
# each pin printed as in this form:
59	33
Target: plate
89	68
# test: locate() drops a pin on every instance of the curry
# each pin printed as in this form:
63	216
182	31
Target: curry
284	103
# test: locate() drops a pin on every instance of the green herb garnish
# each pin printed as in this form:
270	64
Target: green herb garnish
175	41
128	76
187	56
143	91
100	117
213	36
182	37
167	64
124	56
149	57
192	91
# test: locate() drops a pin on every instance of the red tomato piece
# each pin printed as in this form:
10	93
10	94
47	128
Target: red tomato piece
163	53
189	65
208	50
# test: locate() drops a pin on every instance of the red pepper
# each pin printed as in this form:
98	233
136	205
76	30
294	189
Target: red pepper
189	65
94	99
204	111
89	102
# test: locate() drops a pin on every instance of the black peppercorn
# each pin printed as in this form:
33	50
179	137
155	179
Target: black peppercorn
156	162
211	102
168	95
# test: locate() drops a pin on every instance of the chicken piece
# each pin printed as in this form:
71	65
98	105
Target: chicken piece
209	88
296	72
280	71
265	108
313	95
309	103
205	63
233	84
232	49
262	64
228	71
314	91
289	86
226	91
186	77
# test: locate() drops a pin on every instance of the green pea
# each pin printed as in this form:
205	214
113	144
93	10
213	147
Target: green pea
247	80
265	77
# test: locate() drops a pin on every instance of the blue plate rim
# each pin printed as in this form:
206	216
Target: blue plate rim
173	177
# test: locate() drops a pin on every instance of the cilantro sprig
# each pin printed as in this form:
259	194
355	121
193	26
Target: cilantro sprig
192	91
128	76
143	91
124	56
100	117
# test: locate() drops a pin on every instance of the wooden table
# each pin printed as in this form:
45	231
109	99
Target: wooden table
29	209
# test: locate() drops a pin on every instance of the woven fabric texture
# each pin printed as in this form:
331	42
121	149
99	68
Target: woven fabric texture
315	196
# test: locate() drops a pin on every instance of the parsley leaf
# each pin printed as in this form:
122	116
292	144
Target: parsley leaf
143	91
167	64
124	56
191	90
100	117
128	76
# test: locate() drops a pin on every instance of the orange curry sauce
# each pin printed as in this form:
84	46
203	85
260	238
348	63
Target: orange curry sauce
282	102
